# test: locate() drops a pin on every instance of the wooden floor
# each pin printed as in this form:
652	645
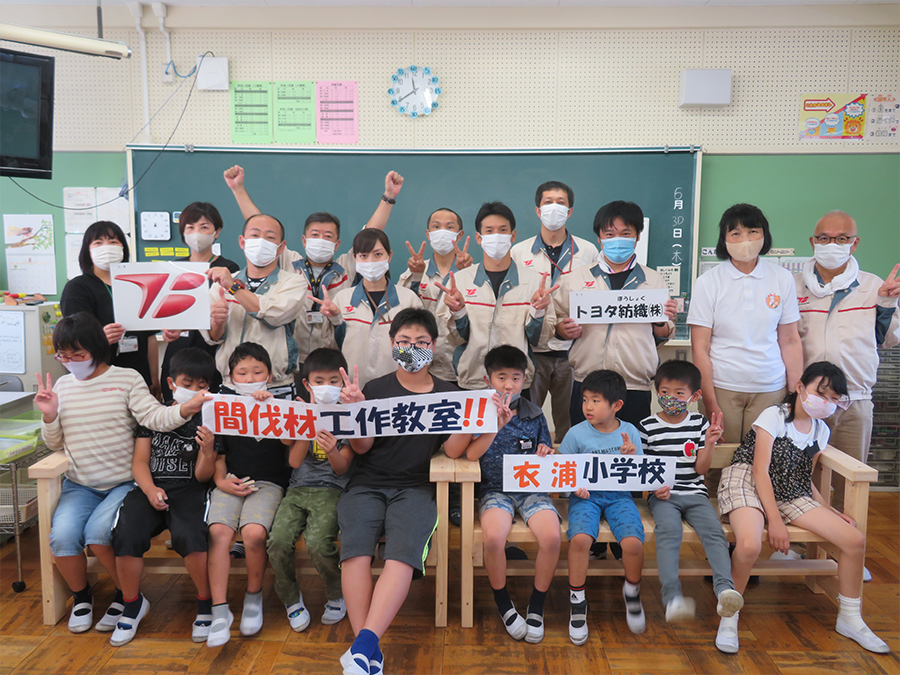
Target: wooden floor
784	628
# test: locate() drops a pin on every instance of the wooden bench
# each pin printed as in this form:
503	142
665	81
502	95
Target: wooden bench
160	560
819	567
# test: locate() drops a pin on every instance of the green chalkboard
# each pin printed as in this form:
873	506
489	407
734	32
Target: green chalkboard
291	185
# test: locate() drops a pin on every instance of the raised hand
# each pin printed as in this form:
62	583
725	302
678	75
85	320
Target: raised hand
463	259
351	392
541	298
452	297
568	329
326	305
670	308
234	177
715	429
113	332
416	262
628	448
218	311
504	412
891	286
392	184
46	399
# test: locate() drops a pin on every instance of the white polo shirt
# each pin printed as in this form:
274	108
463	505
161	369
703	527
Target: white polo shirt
744	312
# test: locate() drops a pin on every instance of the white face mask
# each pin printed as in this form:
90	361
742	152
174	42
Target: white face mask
198	241
554	216
442	241
319	250
373	271
832	256
247	388
496	246
183	395
106	255
260	252
817	407
82	370
744	251
326	394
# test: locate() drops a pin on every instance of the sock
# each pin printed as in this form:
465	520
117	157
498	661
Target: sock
632	597
84	595
220	611
252	602
536	603
576	594
132	607
504	602
632	590
850	612
366	643
204	605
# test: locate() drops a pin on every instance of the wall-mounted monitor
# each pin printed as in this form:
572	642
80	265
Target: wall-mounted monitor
26	114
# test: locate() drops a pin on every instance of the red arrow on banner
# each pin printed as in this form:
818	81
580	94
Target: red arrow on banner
818	105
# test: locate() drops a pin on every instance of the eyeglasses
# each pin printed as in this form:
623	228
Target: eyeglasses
421	344
841	239
77	358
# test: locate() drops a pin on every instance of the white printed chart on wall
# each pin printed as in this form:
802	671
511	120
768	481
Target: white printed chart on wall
12	342
30	257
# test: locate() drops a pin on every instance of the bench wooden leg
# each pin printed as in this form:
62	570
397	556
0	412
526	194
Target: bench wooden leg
54	591
856	505
467	572
442	547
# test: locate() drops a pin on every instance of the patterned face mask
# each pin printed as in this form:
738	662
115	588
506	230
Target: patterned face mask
412	359
672	405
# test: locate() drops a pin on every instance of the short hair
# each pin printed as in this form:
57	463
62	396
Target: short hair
366	240
629	213
505	356
249	350
82	331
322	217
444	208
608	383
323	360
494	209
98	230
554	185
750	217
684	372
832	377
196	211
258	215
194	363
413	316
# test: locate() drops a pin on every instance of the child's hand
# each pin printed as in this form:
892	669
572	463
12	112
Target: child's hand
663	493
715	429
262	395
779	539
326	441
504	412
847	519
543	450
194	406
351	392
205	439
582	493
46	399
233	485
157	498
628	448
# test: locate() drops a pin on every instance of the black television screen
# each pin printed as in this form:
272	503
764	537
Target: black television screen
26	114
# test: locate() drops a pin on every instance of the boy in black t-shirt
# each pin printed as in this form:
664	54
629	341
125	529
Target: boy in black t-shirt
171	471
390	494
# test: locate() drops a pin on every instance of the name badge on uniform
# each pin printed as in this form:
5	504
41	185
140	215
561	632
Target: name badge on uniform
128	343
314	317
526	445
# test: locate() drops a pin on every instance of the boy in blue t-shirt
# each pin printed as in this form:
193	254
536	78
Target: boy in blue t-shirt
521	430
603	394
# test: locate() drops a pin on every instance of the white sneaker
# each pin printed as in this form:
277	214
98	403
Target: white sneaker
867	575
730	602
578	625
634	614
298	616
727	635
252	616
680	608
865	637
355	664
79	624
335	610
201	627
109	620
514	623
790	555
534	628
126	628
220	631
376	666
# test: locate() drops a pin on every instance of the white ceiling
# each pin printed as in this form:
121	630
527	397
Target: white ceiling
457	3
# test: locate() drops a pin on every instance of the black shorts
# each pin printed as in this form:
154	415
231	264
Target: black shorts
405	517
137	522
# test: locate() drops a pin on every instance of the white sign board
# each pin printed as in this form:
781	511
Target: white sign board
641	306
163	294
567	473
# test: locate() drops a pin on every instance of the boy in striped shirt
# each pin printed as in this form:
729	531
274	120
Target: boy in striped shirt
689	438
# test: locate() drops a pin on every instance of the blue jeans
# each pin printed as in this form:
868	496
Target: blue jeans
84	516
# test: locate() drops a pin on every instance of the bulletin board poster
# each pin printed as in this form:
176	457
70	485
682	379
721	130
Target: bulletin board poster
826	117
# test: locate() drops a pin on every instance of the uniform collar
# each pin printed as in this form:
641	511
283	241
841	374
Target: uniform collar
359	295
527	410
511	279
636	276
271	279
432	269
735	273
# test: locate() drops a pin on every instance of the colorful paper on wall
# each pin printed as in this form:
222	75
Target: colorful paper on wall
295	112
338	112
30	255
832	117
883	117
251	112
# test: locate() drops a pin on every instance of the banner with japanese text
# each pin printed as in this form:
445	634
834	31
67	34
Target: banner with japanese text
641	306
445	413
567	473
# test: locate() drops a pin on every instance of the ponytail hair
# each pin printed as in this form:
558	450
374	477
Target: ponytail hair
832	378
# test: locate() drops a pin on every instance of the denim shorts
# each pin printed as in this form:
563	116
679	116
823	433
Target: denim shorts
526	504
619	509
84	516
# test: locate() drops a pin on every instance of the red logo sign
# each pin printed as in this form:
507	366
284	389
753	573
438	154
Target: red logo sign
529	263
589	284
349	308
803	301
151	286
471	291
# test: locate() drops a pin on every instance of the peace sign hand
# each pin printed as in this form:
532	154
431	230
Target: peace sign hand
351	393
452	297
628	448
504	412
541	298
463	259
715	429
46	399
416	262
328	307
891	287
